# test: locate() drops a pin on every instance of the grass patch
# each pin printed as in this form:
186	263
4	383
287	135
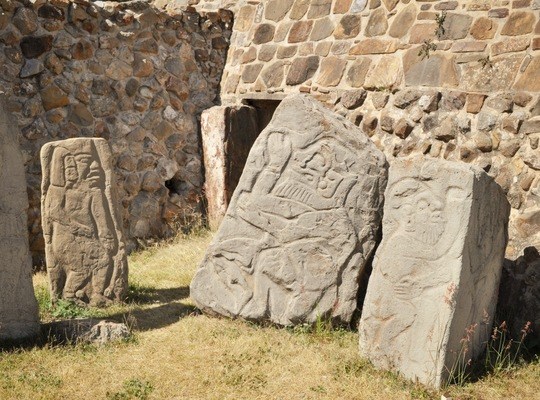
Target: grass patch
180	354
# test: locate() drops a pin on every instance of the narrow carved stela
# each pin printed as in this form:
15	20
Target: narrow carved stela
19	318
84	244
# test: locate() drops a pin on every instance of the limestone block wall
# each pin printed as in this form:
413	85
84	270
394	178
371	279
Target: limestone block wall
127	72
458	80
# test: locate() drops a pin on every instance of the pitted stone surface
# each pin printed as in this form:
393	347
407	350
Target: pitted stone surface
437	270
18	307
84	243
301	224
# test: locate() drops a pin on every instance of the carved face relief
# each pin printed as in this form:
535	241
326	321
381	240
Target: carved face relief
90	171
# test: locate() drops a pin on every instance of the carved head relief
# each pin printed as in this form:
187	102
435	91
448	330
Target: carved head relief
89	170
420	210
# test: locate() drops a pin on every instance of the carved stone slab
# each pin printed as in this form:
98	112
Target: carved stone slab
228	132
301	224
19	318
437	270
84	242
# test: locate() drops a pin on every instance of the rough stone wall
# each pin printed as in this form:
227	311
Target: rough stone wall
458	80
127	72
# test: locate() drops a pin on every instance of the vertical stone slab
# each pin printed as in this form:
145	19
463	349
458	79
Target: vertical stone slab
437	270
228	133
19	318
301	224
84	241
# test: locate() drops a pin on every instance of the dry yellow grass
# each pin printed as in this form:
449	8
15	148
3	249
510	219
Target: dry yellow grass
179	354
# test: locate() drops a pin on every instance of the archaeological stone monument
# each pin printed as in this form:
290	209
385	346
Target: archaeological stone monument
432	293
19	318
301	224
85	251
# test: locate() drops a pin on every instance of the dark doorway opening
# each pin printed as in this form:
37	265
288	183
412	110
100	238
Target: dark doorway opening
265	111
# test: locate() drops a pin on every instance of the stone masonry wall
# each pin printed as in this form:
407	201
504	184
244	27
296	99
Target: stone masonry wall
458	80
127	72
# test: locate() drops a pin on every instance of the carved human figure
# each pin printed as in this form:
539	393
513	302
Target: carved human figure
296	224
436	271
84	244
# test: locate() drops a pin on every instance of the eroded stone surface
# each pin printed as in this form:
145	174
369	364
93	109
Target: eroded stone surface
18	306
437	270
227	136
301	224
84	243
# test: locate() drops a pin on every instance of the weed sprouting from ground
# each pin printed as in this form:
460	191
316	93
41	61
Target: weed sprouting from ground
133	389
503	355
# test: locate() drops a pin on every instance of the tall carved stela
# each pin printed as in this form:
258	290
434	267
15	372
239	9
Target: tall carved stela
437	270
19	318
301	224
84	243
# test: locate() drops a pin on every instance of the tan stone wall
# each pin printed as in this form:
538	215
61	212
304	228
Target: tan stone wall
127	72
458	80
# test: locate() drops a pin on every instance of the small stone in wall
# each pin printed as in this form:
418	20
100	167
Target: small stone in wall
456	26
277	9
299	9
486	121
319	8
404	98
475	101
402	128
31	68
529	80
500	103
483	142
342	6
498	13
522	99
82	50
34	46
403	21
53	97
300	31
453	100
352	99
273	74
322	29
379	99
377	23
348	27
519	23
483	28
390	4
302	69
429	101
447	130
331	71
358	71
25	19
264	33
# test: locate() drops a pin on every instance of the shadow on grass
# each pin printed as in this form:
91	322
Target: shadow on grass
139	294
144	317
155	317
